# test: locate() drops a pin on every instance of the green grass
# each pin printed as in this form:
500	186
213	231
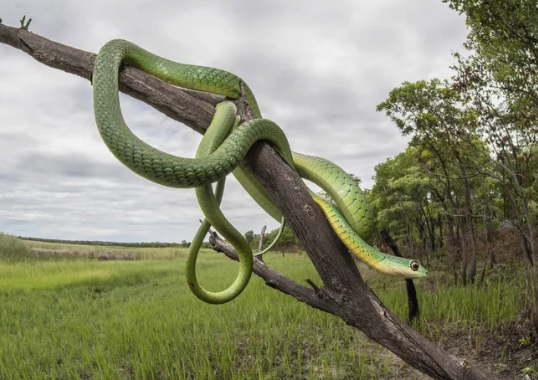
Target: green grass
48	274
89	319
446	308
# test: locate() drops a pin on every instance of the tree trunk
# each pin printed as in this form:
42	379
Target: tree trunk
463	251
409	233
431	229
451	242
490	233
423	239
470	223
440	224
491	239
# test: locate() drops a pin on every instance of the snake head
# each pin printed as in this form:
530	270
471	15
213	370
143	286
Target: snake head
417	269
402	267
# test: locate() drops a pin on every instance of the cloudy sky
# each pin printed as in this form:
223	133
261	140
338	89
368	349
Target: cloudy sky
318	69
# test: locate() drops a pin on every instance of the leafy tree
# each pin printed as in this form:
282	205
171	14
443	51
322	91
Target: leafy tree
442	132
287	241
249	236
500	81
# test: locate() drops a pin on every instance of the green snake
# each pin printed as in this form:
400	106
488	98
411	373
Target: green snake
220	153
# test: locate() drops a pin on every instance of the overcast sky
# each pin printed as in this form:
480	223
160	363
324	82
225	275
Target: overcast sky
318	69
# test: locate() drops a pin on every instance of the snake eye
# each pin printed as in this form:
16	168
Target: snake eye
414	265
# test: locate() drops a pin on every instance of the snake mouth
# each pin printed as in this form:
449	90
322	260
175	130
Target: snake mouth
421	273
415	277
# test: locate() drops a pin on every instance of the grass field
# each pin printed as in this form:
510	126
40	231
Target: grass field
65	318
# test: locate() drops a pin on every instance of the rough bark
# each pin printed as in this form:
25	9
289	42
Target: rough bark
451	242
464	259
440	225
344	293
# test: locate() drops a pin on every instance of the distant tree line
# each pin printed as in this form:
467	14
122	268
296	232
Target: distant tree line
183	244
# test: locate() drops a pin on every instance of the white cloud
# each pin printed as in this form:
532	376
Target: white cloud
318	69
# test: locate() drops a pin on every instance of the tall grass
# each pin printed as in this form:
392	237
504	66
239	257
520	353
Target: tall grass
12	248
87	319
476	310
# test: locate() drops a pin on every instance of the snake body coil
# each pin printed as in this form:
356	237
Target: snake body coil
351	218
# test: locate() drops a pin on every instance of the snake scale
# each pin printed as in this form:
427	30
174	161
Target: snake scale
220	153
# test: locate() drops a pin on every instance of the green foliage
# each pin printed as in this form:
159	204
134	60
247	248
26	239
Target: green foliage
388	197
287	239
504	35
472	160
249	236
525	341
499	81
529	371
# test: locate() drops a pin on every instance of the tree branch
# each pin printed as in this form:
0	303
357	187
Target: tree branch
344	293
273	278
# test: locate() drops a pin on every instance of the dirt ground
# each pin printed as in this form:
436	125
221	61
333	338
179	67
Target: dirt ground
502	354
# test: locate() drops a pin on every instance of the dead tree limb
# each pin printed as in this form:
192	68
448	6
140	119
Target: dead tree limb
260	243
344	293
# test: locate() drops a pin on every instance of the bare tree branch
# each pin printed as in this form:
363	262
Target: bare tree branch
344	293
273	278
